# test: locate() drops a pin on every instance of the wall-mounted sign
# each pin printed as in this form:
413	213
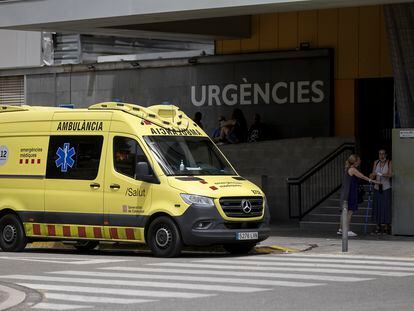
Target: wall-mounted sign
407	134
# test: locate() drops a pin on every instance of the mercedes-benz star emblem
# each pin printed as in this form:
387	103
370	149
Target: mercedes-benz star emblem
246	206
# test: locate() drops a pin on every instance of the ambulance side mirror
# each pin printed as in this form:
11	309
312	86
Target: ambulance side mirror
143	173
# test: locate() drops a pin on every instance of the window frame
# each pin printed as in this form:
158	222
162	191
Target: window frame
71	137
138	145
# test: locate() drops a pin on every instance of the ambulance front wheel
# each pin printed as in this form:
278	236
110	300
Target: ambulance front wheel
12	235
164	238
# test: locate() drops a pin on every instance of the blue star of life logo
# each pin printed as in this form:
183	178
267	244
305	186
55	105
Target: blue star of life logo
65	159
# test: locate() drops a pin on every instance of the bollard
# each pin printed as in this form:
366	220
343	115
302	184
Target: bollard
345	227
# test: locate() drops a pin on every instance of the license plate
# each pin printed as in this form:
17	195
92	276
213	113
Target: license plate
247	235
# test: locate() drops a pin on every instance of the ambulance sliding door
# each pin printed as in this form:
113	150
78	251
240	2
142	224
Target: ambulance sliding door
75	176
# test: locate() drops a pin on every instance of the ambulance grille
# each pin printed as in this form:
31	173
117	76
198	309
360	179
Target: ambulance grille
232	206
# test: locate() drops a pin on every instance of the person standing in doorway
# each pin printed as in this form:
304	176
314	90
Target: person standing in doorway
381	212
349	190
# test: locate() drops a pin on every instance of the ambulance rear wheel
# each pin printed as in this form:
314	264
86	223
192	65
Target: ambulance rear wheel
239	249
85	246
164	238
12	235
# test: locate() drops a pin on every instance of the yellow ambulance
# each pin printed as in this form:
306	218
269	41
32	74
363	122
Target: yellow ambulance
123	173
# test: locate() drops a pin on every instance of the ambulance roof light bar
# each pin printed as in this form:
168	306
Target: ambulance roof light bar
160	115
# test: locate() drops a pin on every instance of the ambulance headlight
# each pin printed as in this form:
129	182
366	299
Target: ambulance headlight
197	199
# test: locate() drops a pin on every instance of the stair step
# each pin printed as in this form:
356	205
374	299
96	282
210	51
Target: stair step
362	210
335	202
335	218
333	226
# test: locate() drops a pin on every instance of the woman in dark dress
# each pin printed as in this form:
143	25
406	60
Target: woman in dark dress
349	190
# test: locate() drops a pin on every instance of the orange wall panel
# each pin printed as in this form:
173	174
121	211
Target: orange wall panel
308	27
268	32
347	52
231	46
218	46
345	107
288	30
252	44
369	42
328	32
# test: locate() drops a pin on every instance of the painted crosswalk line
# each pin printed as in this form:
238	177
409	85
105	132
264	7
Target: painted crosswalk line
114	291
198	278
188	286
65	261
55	306
299	268
94	299
351	256
248	262
165	272
324	260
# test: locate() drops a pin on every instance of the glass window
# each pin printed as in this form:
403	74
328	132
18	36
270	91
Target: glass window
186	155
74	157
127	153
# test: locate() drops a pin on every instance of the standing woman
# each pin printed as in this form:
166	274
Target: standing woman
382	172
349	190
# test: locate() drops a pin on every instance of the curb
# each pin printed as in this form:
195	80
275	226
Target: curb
14	298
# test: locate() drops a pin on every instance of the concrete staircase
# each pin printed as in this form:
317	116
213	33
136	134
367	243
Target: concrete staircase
326	217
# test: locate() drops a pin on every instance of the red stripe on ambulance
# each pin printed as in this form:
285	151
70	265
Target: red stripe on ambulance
97	232
36	229
114	233
51	230
82	232
66	231
130	234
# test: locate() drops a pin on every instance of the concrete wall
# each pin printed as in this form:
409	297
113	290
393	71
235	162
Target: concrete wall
19	49
279	160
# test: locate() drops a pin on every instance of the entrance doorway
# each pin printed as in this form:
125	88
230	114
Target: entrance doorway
374	118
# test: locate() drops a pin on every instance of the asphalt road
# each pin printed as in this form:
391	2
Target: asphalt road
128	280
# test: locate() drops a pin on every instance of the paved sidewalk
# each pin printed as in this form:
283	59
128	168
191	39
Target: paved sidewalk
289	235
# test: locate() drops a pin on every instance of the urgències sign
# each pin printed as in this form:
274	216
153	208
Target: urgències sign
282	92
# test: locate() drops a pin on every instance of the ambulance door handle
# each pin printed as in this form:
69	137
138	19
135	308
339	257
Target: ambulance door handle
95	185
115	186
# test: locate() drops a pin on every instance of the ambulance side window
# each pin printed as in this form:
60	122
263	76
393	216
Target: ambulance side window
127	153
74	157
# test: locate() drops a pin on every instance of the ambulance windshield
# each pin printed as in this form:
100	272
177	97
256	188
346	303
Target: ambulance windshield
187	155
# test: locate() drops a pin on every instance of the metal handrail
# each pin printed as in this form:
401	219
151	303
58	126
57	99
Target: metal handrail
318	183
